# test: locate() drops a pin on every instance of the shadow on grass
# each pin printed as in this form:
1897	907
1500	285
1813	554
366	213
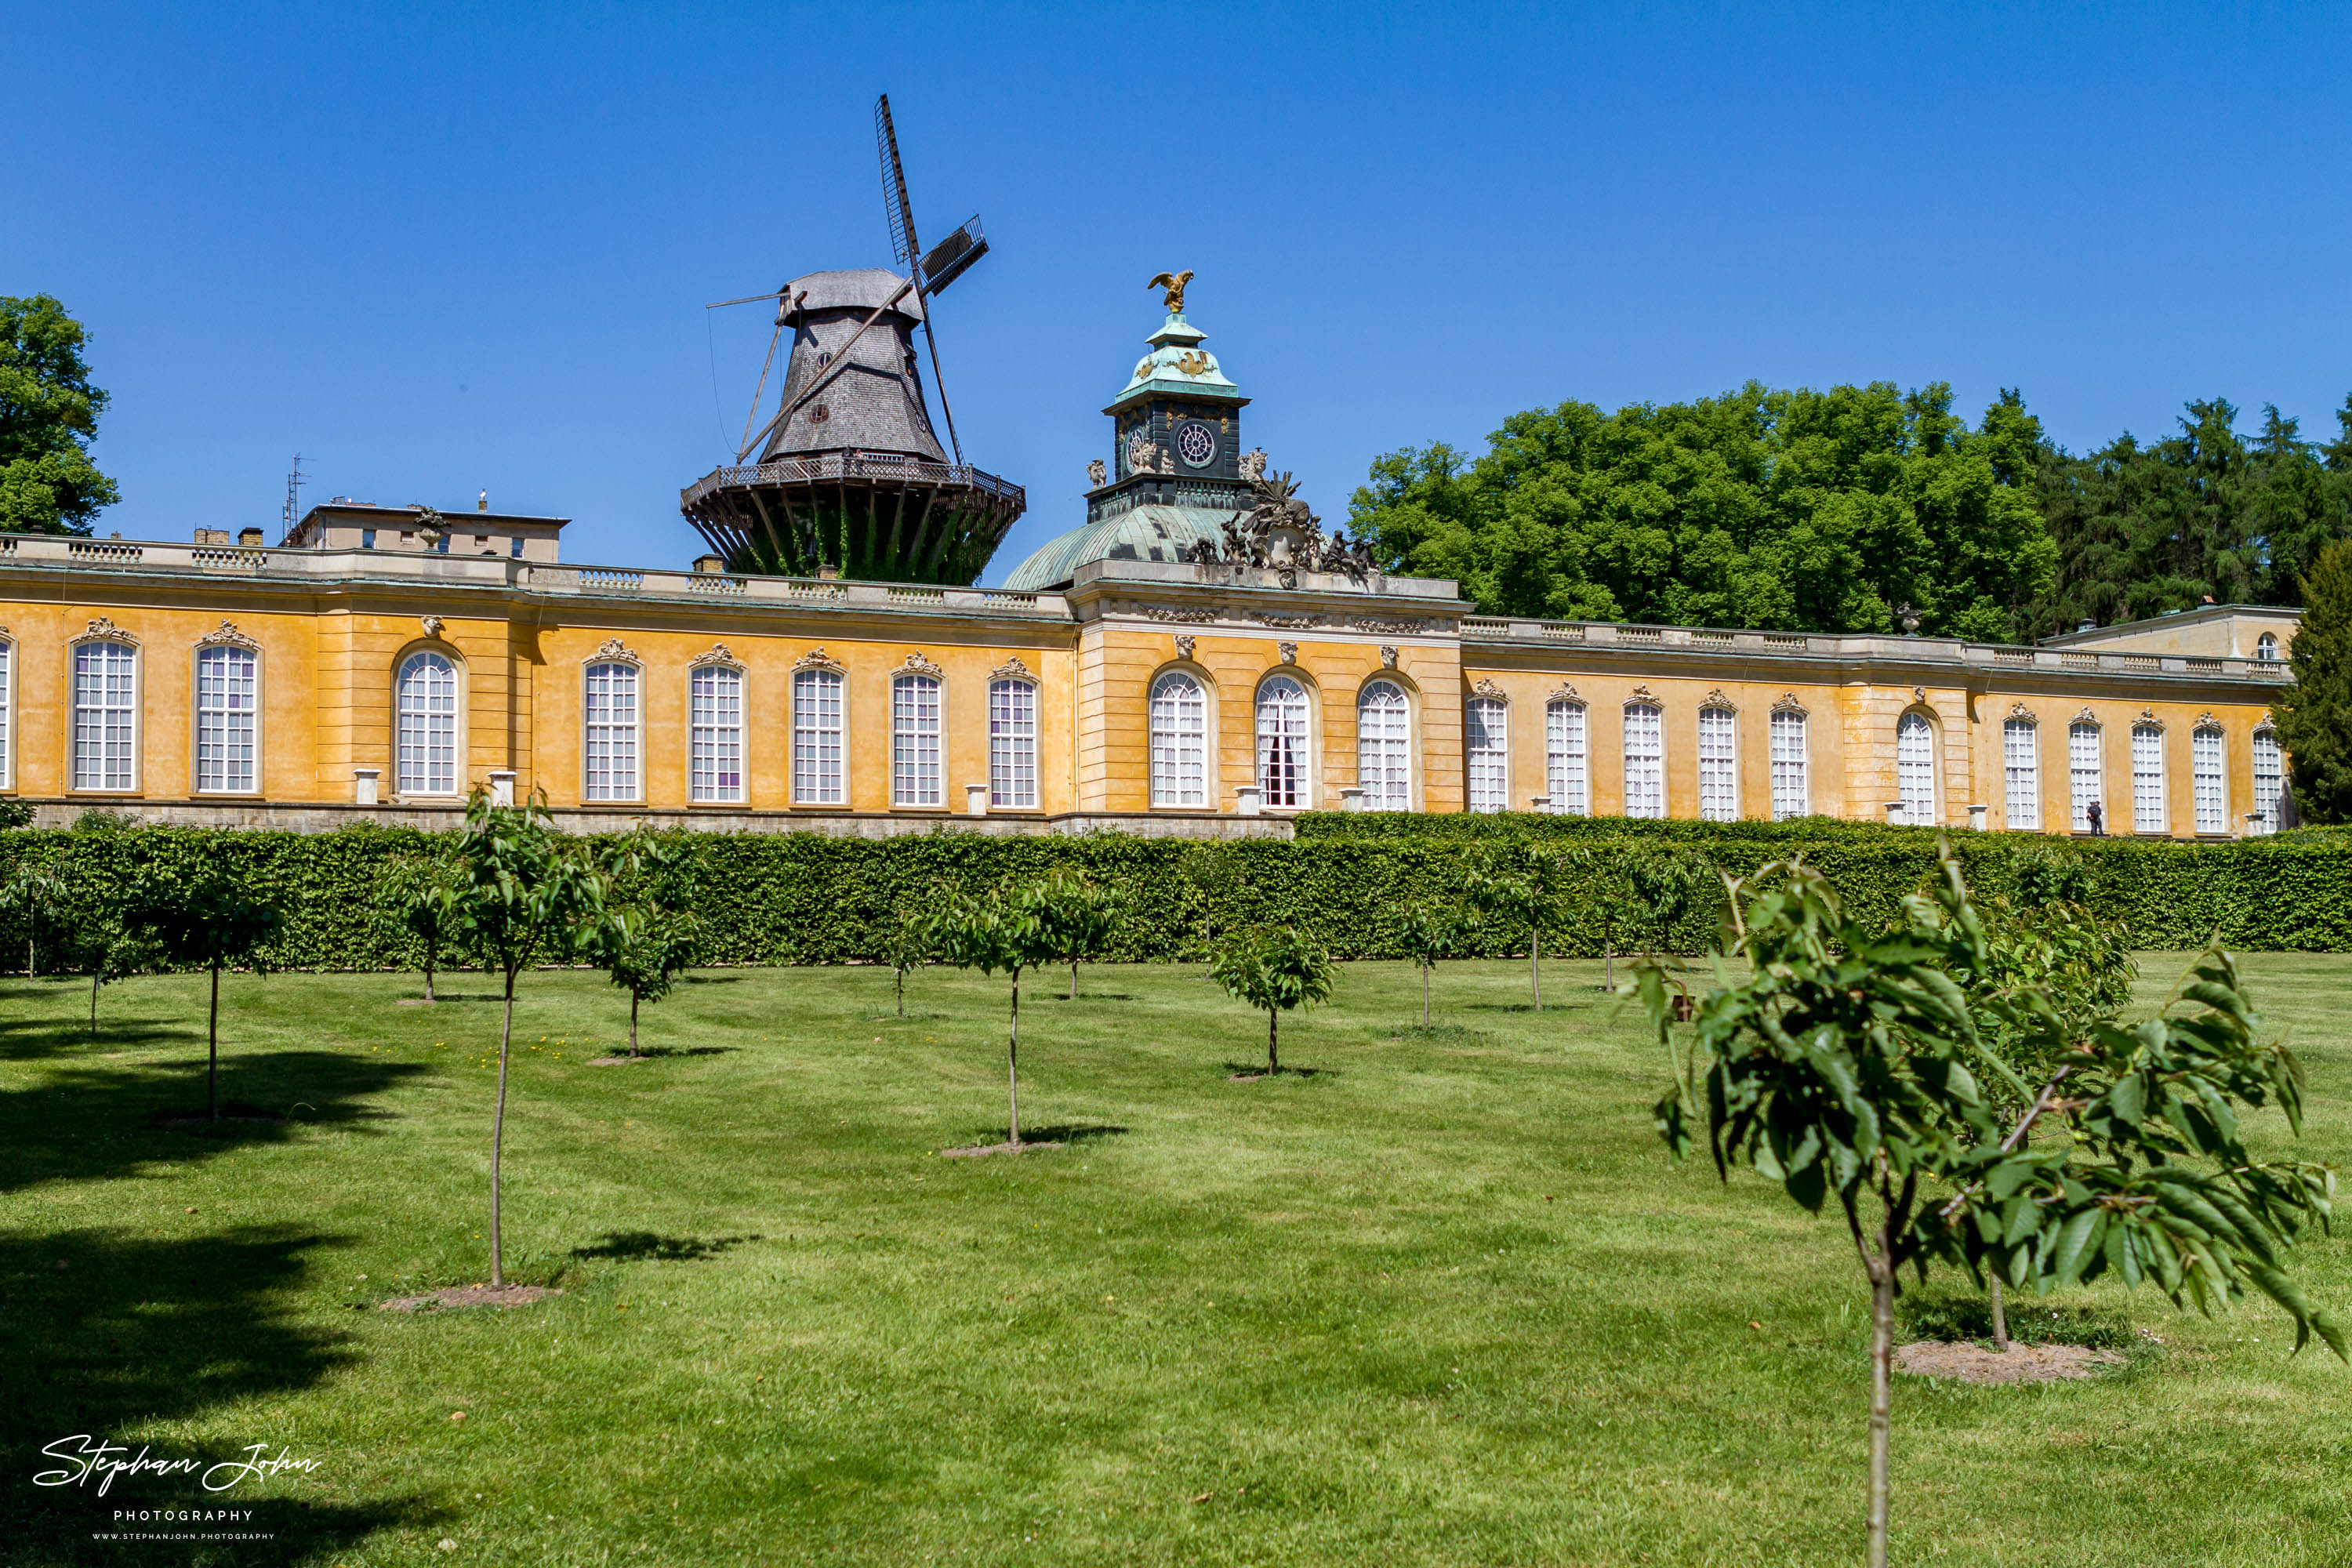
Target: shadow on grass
1068	1132
38	1040
712	979
1257	1070
105	1335
644	1246
1442	1034
87	1122
1090	997
651	1051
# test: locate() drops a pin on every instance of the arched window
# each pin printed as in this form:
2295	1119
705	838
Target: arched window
2148	779
425	757
2209	778
2266	646
2086	773
915	741
228	683
2269	779
1012	744
1645	759
1915	769
1282	755
7	712
1384	747
1180	737
1719	765
715	762
609	752
1487	754
1792	784
106	715
1567	774
2020	759
816	737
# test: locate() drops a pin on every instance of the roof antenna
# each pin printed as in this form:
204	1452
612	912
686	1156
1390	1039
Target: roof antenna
293	483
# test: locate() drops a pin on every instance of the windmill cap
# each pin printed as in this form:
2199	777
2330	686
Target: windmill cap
862	290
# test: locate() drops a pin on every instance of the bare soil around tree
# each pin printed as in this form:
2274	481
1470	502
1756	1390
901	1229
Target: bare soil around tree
1968	1361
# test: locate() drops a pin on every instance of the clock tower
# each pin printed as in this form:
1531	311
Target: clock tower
1176	430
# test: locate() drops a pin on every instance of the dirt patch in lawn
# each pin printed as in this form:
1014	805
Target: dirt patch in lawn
1970	1363
1021	1148
471	1295
614	1061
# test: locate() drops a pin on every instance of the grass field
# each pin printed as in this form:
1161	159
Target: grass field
1440	1299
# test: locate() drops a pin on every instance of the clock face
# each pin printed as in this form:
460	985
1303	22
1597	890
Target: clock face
1196	443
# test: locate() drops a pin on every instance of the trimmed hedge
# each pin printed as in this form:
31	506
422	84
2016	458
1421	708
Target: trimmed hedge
806	899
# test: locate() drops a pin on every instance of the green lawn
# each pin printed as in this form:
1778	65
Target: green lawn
1441	1300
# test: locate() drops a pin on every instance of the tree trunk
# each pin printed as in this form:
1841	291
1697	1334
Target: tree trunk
1074	980
2000	1319
902	993
1535	961
28	956
1424	996
94	975
1272	1023
428	972
1882	1376
1608	961
1013	1065
633	1025
499	1138
212	1051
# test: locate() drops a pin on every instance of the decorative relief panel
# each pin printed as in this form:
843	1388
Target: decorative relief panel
1012	669
718	654
1387	656
1716	699
431	625
2148	720
611	650
1485	687
226	633
1642	694
1289	651
918	665
1788	704
2019	711
817	659
103	628
1184	642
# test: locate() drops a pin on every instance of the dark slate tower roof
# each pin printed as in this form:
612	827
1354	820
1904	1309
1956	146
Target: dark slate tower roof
875	403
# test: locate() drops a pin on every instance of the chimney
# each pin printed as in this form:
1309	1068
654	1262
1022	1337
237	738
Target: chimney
482	501
250	538
709	566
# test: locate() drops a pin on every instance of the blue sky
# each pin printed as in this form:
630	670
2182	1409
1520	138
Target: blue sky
439	248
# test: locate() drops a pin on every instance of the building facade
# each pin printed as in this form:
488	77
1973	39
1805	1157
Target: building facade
1195	657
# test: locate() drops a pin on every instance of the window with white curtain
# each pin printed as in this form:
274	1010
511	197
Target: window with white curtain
1645	759
1567	774
1384	747
915	741
609	754
2269	780
2209	779
1012	744
1487	754
715	698
1915	769
1282	743
1719	765
2148	779
228	683
105	714
816	737
2021	761
425	759
1180	742
1793	785
2085	780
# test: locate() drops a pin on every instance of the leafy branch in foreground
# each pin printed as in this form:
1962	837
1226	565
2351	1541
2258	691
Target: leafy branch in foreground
1846	1066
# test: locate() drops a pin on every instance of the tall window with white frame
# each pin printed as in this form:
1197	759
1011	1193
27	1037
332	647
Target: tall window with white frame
2021	761
2086	773
609	742
1180	738
1282	743
1645	759
1487	754
2269	780
2209	778
2266	647
915	741
817	738
1384	746
1719	765
2148	779
228	685
715	737
1012	744
1792	763
424	749
7	713
1567	761
105	715
1915	769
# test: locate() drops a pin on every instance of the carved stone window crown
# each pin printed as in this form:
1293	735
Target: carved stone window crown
610	651
1717	701
718	654
226	634
103	629
918	665
817	659
1012	669
1788	704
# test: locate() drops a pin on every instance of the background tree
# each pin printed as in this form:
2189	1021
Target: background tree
33	894
204	914
2315	714
1214	872
1665	885
1004	931
97	939
527	892
1426	931
1519	882
1078	915
644	948
908	943
1276	969
1846	1065
48	416
420	896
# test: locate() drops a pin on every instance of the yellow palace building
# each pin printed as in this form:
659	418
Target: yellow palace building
1196	657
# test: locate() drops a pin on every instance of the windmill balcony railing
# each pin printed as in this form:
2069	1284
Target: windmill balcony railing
1713	642
827	467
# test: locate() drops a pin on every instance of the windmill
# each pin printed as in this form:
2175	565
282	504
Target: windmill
851	437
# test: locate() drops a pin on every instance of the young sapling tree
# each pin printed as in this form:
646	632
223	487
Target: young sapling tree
1079	916
33	894
1426	931
908	941
1006	931
644	948
201	914
420	896
1520	883
1275	969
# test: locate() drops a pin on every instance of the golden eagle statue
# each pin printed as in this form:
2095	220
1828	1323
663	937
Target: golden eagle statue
1175	286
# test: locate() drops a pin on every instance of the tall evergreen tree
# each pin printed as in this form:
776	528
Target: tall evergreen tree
48	416
2315	715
